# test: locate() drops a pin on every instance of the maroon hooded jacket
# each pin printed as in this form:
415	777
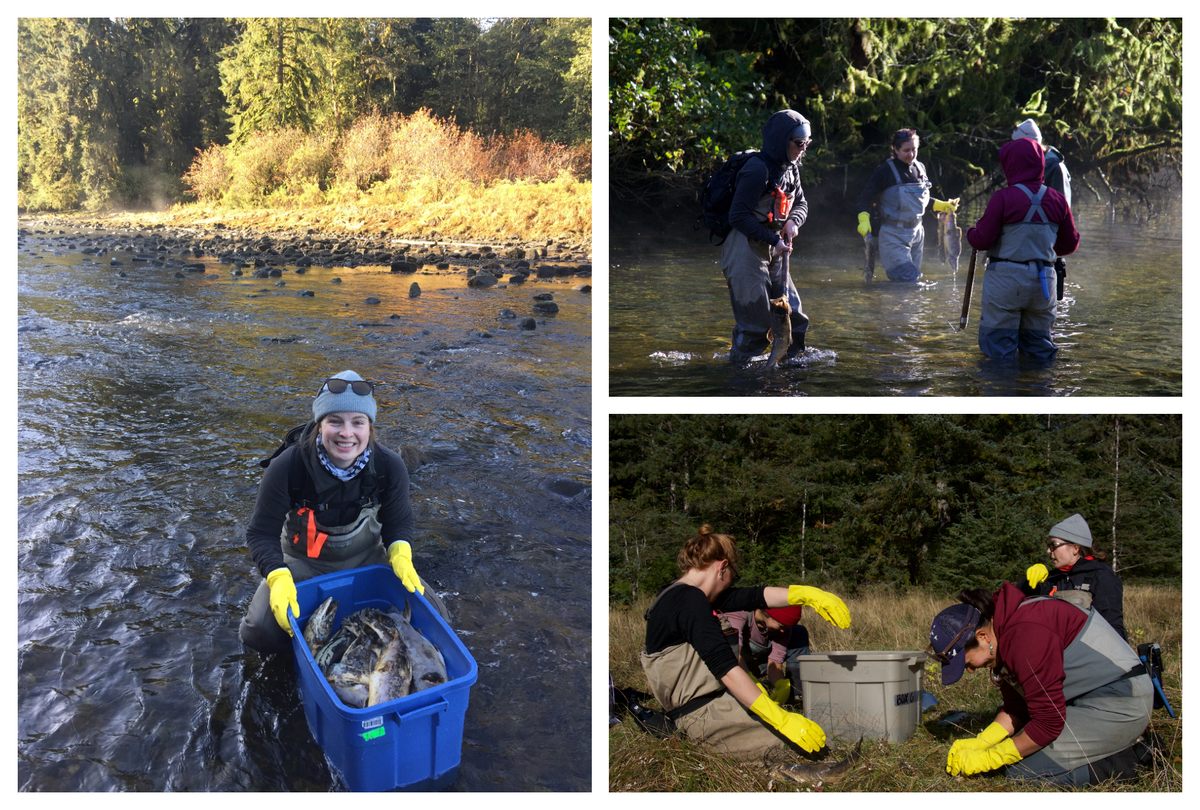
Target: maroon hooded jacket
1023	162
1030	644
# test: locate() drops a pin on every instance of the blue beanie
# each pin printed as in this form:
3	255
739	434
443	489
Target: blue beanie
327	402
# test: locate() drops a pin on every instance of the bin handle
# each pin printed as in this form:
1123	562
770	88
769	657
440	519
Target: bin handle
441	705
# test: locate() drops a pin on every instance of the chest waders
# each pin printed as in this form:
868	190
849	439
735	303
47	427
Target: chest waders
1109	698
680	679
1018	297
901	240
752	270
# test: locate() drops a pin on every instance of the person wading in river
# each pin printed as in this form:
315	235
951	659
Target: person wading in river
767	209
1023	228
897	193
335	499
692	670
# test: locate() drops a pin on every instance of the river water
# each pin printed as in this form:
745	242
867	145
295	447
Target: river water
1119	325
144	404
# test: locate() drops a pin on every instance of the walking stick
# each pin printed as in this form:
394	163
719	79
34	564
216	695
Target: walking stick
962	321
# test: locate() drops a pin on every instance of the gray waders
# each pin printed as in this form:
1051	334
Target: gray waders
1108	706
901	239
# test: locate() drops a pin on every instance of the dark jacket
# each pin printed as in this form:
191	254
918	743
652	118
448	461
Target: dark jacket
1089	574
342	498
759	175
1023	162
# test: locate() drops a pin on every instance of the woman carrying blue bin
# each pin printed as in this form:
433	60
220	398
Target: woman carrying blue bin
333	498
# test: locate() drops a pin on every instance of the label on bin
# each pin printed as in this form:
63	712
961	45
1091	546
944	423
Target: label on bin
373	734
374	722
907	697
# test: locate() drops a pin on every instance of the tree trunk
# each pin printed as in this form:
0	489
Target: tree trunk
1116	489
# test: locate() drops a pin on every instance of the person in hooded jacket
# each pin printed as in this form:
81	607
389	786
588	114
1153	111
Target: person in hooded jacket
1056	174
335	499
1079	575
1076	698
891	206
767	209
1024	227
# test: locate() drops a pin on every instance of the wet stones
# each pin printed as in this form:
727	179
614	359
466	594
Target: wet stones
414	290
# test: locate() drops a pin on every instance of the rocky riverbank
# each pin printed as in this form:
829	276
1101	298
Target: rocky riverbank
267	253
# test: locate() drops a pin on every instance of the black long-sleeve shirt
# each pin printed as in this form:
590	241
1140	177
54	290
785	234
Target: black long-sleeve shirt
684	614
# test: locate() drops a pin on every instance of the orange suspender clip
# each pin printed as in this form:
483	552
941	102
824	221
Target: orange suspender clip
314	540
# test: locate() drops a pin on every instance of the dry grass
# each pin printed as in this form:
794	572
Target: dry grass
882	620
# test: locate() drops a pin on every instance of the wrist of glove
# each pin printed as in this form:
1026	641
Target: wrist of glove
972	761
796	727
864	223
400	556
828	607
282	597
1036	574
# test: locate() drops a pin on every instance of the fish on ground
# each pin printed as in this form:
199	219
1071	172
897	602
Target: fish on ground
374	656
818	773
951	237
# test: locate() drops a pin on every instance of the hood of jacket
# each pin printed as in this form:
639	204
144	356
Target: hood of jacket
1006	599
1023	161
776	133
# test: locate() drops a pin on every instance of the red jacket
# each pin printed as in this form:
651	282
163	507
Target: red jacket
1023	162
1029	643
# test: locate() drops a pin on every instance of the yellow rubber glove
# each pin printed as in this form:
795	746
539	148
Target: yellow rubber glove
796	727
1036	574
986	739
400	556
828	607
864	224
283	596
781	691
981	760
946	206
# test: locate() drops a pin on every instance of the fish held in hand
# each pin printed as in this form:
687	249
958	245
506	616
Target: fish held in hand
781	330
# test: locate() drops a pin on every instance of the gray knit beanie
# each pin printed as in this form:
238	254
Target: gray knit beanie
1074	530
1027	129
327	402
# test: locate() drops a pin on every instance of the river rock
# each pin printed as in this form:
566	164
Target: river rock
484	279
414	290
372	300
528	323
545	307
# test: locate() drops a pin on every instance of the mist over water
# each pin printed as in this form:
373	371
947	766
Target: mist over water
1119	325
144	404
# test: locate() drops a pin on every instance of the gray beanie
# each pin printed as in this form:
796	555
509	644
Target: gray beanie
1027	129
1074	530
327	402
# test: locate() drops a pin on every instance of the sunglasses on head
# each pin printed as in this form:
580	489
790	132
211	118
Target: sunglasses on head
336	385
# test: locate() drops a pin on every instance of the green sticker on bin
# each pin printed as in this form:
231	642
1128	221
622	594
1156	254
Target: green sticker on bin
374	733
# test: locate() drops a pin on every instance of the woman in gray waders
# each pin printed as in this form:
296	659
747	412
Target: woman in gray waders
334	499
898	193
693	672
1076	698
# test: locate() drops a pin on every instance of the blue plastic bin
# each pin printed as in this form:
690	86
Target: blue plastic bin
412	743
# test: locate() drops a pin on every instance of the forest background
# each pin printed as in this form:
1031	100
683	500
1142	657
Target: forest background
687	93
936	502
486	120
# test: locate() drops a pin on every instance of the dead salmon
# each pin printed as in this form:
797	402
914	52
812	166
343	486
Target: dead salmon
781	330
951	237
869	252
818	773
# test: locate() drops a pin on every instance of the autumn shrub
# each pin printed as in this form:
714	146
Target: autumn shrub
363	151
259	166
208	177
312	163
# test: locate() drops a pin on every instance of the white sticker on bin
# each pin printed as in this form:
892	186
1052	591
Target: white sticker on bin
374	722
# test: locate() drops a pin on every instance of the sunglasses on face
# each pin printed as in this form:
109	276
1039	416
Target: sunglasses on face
336	385
801	143
1056	546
